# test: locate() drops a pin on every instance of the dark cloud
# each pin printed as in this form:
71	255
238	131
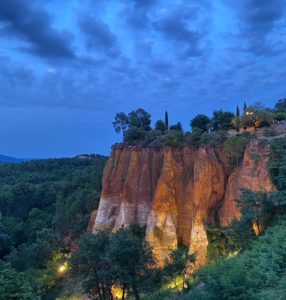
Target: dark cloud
137	19
34	26
144	4
175	25
98	35
256	21
161	66
137	13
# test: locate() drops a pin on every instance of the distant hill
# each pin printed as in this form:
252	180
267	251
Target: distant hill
10	160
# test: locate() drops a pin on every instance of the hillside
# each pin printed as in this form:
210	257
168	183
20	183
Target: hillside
44	207
7	159
12	160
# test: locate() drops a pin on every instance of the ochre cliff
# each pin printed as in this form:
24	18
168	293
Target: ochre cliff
174	192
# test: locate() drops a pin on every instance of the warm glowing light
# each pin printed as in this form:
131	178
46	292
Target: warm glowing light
62	269
249	113
117	293
177	283
233	254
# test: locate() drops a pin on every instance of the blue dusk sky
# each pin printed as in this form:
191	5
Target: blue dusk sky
67	66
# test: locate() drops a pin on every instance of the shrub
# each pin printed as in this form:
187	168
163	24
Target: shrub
234	147
134	135
177	127
279	116
153	138
194	138
213	138
173	138
198	138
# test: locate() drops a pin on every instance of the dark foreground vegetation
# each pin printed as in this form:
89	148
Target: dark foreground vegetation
44	206
122	264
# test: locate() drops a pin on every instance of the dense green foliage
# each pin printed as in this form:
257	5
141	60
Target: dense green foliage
161	126
202	122
280	110
122	260
117	260
178	265
15	285
137	130
244	266
134	126
234	147
44	205
222	120
251	274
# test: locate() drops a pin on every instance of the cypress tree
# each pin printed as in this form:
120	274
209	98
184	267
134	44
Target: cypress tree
244	107
166	120
237	118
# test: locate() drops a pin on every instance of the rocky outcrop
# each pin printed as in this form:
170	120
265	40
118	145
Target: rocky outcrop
251	174
129	183
174	192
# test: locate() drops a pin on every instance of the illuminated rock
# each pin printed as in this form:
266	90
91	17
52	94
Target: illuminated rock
174	192
251	174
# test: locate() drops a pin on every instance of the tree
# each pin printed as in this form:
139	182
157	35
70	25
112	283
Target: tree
201	121
15	285
134	135
131	262
161	125
139	119
256	208
177	127
244	107
166	120
280	105
178	265
5	240
34	255
90	261
222	120
234	147
237	122
277	162
134	125
119	260
121	123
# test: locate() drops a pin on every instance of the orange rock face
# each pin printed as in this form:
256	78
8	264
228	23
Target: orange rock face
174	192
251	174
